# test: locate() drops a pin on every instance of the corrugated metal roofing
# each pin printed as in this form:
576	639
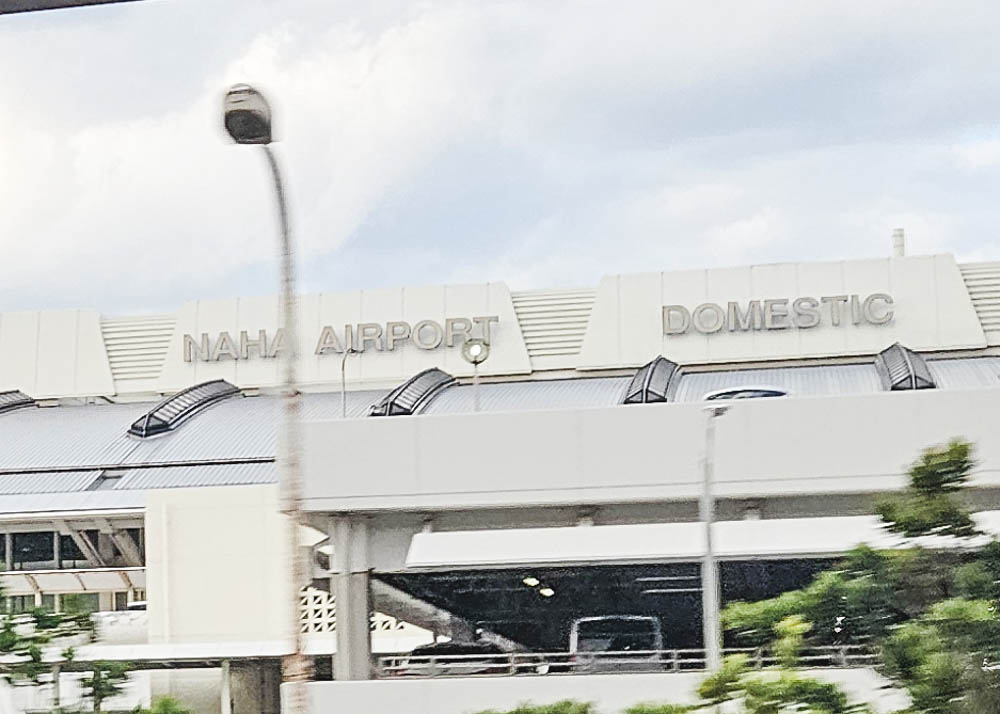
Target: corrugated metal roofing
240	428
186	476
67	436
968	373
46	482
77	439
551	394
826	379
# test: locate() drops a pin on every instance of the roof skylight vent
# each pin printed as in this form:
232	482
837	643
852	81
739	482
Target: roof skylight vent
656	381
901	368
178	408
14	399
414	394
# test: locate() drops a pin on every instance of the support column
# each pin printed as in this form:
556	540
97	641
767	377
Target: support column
56	692
227	684
349	583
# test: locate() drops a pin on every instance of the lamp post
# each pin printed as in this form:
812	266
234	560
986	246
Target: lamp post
712	632
248	120
343	381
475	351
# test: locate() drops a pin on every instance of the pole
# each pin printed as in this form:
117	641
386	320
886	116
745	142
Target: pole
475	386
296	667
343	383
709	567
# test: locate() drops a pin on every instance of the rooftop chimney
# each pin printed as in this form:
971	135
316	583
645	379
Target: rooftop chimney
898	243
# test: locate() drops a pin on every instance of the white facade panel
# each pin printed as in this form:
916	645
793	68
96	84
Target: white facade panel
18	350
225	541
375	366
931	311
54	353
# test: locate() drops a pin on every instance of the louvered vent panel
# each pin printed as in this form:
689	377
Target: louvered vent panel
983	283
553	322
137	346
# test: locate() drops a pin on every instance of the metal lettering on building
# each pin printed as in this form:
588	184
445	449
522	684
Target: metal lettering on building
802	313
359	337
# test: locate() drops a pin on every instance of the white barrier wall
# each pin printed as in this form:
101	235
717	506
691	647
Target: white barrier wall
611	693
802	445
211	559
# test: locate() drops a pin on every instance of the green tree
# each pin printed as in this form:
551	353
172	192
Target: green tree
932	613
928	506
105	680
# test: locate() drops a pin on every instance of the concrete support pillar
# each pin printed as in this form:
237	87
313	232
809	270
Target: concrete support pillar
349	568
227	684
462	630
56	693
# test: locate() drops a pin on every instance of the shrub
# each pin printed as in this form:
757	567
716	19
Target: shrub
650	708
567	706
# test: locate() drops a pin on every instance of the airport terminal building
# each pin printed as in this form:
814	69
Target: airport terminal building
506	504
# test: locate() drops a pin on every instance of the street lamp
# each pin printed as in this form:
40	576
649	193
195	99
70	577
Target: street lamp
475	351
343	380
712	632
248	121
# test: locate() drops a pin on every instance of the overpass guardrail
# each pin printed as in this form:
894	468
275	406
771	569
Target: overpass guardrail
556	663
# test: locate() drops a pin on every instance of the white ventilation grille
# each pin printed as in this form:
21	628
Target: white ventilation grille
553	322
982	280
137	346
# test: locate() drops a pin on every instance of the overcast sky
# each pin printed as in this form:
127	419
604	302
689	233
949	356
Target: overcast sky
540	143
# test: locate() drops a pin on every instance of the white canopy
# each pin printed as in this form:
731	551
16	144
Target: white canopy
657	542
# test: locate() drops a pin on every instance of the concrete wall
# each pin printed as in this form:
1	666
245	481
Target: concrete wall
373	368
215	560
610	693
767	447
932	311
54	353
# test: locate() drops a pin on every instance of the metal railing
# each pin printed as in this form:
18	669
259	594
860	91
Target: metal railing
554	663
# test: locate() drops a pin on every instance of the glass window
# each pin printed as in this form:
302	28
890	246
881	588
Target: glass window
70	553
21	603
81	603
33	550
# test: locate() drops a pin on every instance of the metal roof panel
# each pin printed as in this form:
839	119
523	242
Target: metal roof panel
548	394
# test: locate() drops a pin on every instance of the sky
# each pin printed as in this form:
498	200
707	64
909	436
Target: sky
540	143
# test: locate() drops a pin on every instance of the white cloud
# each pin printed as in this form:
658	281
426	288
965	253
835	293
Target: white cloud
636	137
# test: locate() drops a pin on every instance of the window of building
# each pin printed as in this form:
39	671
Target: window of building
81	602
33	551
70	553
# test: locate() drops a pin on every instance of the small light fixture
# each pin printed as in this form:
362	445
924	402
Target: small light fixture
531	581
546	592
475	350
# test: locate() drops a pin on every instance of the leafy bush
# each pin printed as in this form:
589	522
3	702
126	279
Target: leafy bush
567	706
164	705
649	708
